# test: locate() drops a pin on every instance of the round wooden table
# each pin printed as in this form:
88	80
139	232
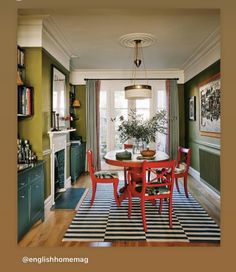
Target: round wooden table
110	158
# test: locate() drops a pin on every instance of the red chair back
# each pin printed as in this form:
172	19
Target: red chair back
184	156
90	162
128	146
163	175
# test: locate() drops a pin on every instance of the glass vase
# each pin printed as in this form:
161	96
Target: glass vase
138	146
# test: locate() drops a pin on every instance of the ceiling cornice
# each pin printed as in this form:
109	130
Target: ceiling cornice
208	45
52	30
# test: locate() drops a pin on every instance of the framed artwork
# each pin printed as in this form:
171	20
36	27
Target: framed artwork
192	108
209	92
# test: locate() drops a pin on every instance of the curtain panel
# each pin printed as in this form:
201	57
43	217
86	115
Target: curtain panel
92	120
173	110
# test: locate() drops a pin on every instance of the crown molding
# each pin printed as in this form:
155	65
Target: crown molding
53	31
77	76
205	54
41	31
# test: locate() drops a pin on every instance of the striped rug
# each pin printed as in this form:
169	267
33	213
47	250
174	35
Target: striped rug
105	222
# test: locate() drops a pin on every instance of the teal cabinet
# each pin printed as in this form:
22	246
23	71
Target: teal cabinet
77	158
23	211
36	201
30	197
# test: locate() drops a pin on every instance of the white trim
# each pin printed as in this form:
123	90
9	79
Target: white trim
47	152
194	173
77	76
48	203
50	26
68	182
41	31
206	54
29	31
68	144
54	42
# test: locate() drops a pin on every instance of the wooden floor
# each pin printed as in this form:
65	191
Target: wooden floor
50	233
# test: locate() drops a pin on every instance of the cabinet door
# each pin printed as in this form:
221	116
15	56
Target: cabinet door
80	160
74	162
36	201
83	157
23	211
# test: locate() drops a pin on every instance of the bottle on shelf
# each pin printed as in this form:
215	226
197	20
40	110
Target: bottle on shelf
25	155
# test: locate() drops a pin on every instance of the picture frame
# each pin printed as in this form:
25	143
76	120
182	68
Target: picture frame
210	115
192	108
58	99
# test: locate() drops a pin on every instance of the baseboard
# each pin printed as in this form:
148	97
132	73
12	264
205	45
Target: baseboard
194	173
68	182
48	203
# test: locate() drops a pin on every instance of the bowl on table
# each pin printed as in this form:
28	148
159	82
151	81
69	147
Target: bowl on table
148	152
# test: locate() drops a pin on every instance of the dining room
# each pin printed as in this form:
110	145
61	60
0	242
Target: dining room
132	136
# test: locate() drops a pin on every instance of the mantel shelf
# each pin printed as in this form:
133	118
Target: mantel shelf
65	131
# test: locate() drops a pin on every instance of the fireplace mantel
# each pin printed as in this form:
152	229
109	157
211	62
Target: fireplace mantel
58	141
65	131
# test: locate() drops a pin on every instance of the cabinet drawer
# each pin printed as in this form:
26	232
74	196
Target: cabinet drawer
35	174
22	181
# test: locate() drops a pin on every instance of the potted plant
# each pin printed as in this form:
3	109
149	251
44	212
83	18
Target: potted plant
142	131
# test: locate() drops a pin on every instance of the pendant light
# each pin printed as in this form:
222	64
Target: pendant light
138	91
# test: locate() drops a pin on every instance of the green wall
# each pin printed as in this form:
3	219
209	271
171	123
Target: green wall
31	128
193	138
181	115
38	63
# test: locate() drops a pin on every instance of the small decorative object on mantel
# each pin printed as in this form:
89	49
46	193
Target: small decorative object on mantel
54	121
57	121
140	130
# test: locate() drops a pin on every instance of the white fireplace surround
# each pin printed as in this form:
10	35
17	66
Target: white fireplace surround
58	142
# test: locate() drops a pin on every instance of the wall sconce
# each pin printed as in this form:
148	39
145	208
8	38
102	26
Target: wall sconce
76	103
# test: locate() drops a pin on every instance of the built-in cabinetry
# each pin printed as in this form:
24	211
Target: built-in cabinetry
30	197
77	164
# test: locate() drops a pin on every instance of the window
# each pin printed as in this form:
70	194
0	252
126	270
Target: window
113	104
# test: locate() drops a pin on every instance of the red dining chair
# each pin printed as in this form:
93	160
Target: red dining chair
160	186
101	177
126	146
181	170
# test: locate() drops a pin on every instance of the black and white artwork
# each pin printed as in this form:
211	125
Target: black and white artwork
210	106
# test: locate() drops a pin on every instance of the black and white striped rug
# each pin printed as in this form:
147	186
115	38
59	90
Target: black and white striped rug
104	221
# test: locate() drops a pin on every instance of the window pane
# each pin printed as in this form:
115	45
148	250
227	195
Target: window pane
103	99
120	101
161	100
143	103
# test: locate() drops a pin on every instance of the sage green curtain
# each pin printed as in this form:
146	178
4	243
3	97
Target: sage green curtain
92	120
172	89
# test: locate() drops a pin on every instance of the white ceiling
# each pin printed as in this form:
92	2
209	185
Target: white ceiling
92	35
